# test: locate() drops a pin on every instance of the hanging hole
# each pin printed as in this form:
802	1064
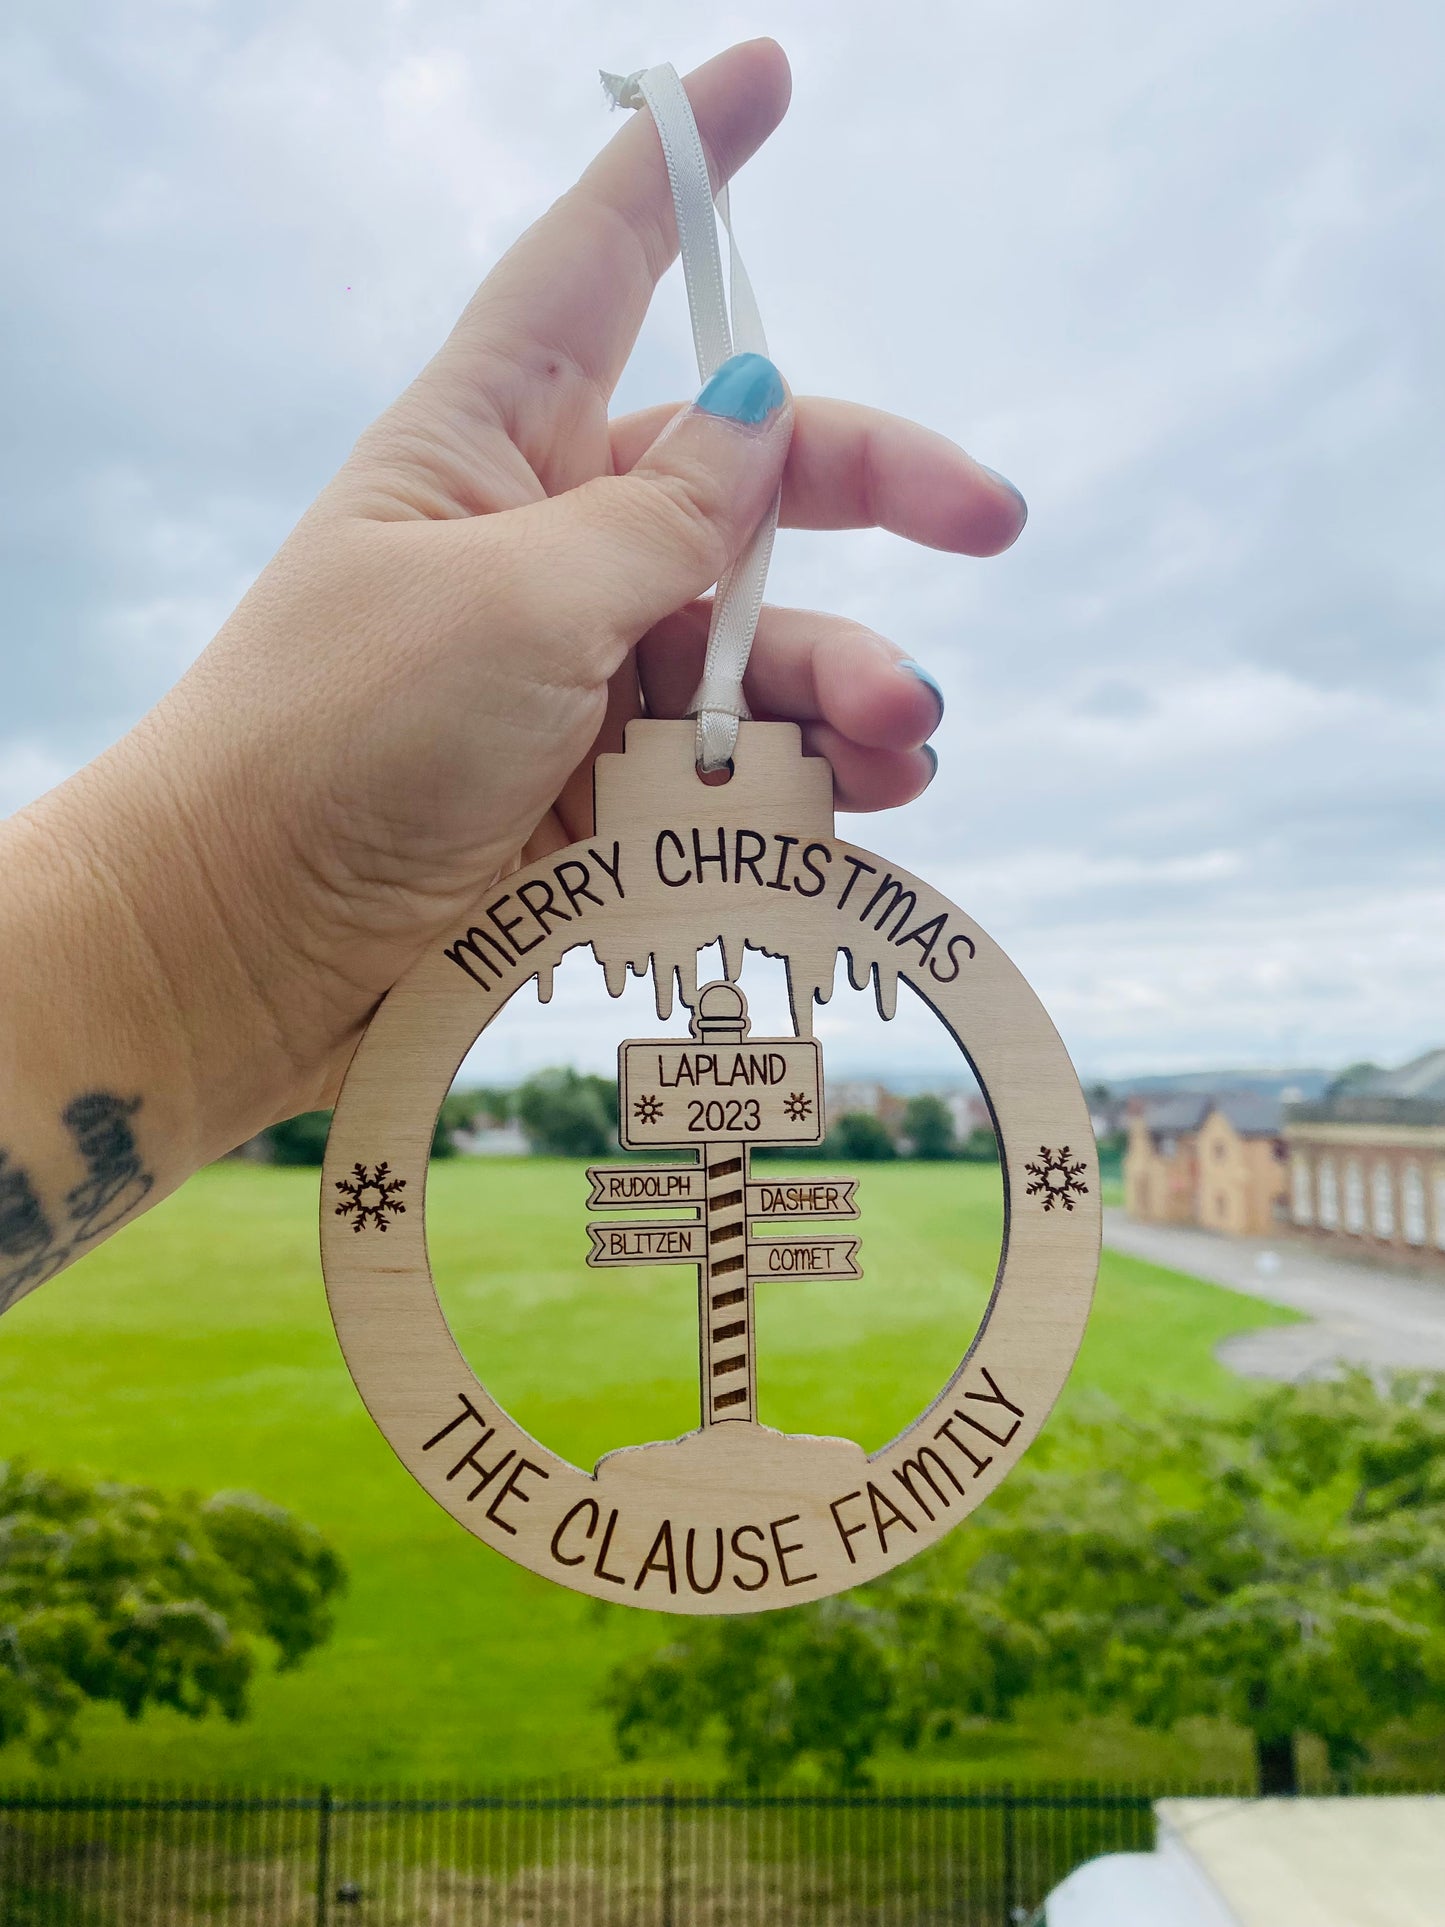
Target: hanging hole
714	778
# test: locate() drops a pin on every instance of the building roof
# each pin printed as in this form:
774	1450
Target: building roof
1174	1116
1412	1094
1421	1077
1252	1113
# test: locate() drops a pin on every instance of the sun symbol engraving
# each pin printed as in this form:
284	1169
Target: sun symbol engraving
796	1107
1057	1178
370	1194
647	1110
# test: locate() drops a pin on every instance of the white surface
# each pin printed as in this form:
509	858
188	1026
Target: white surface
1369	1862
1133	1890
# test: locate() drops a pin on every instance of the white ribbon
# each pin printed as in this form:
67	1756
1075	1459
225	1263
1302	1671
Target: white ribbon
717	333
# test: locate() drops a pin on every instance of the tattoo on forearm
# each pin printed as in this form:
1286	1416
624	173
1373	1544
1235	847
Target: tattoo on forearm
32	1247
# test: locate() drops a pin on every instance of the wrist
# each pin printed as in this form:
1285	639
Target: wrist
134	959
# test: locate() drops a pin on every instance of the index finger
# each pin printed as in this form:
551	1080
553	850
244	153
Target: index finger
575	287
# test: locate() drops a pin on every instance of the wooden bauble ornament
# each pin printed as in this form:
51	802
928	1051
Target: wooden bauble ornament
734	1517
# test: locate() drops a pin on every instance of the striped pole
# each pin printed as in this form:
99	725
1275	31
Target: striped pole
725	1307
725	1291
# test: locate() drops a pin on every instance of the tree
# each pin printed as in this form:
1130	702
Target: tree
478	1104
784	1685
299	1140
862	1138
568	1115
302	1139
1282	1567
928	1127
980	1146
823	1683
1111	1147
124	1594
1351	1078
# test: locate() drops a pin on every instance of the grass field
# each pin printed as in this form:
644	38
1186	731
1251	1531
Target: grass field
195	1350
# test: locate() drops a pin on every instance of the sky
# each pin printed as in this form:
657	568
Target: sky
1176	271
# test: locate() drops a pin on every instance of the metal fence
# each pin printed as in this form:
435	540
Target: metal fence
558	1857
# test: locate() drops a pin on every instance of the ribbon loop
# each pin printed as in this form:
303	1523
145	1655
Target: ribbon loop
719	329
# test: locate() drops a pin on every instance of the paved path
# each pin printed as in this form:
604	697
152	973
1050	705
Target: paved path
1360	1314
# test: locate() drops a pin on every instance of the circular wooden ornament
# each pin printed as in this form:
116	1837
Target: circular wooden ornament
735	1517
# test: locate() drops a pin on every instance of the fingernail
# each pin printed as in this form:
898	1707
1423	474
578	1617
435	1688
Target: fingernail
1017	493
917	669
932	754
748	388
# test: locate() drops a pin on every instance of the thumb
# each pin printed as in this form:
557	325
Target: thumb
640	545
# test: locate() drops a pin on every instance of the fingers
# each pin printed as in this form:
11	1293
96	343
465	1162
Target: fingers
870	779
567	300
851	467
862	703
593	569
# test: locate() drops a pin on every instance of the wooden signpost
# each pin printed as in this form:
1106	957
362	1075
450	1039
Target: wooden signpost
748	1091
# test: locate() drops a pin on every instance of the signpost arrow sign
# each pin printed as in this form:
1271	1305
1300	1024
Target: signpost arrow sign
640	1244
626	1186
804	1198
803	1258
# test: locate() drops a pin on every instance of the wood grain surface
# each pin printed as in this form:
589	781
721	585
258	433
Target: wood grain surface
734	1517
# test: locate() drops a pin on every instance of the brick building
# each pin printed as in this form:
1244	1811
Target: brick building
1217	1162
872	1099
1367	1165
1161	1177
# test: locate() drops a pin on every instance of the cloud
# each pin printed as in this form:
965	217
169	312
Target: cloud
1172	270
27	770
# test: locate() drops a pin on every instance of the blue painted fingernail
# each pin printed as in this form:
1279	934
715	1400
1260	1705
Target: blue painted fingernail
932	754
1017	493
917	669
748	388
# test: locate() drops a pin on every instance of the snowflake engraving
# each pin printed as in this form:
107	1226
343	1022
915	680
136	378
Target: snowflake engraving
647	1110
370	1194
797	1107
1057	1178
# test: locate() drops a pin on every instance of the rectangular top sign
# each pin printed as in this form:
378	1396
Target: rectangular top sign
760	1091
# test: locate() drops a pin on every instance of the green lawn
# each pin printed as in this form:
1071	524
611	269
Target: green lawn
195	1350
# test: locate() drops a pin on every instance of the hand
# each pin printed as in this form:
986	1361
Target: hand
408	701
